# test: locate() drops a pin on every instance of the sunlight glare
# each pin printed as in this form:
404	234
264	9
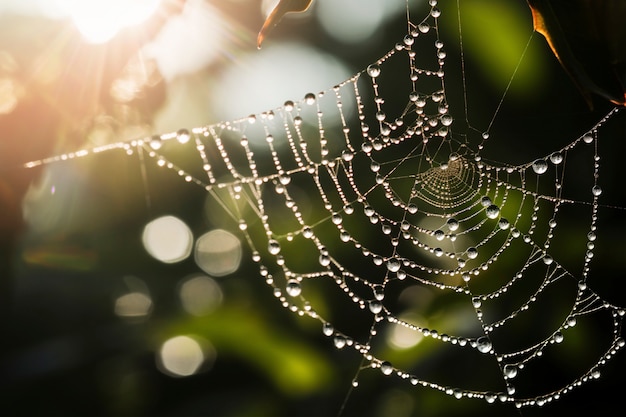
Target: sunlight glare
264	79
100	20
189	41
366	17
10	91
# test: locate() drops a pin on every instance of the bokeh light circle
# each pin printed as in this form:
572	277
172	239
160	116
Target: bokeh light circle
182	356
218	252
200	295
133	305
167	239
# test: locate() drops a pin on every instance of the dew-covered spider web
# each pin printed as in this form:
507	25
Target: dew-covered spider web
376	193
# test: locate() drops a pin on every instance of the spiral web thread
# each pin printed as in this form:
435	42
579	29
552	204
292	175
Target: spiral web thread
369	191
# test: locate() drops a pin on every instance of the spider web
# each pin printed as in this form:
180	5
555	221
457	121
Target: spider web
368	193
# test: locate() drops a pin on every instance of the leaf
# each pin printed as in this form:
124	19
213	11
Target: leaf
589	40
282	8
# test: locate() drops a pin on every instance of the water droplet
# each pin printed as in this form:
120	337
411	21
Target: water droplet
156	143
558	337
540	166
347	156
288	105
492	211
588	138
472	252
379	292
386	368
483	344
490	397
408	40
556	158
453	224
183	136
373	70
591	236
324	260
293	288
337	219
510	371
439	234
375	306
393	265
423	27
438	252
309	99
547	259
485	201
339	341
243	225
273	247
328	329
375	166
596	190
476	302
284	179
412	208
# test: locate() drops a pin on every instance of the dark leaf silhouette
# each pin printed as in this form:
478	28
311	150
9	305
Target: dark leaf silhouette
589	39
282	8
